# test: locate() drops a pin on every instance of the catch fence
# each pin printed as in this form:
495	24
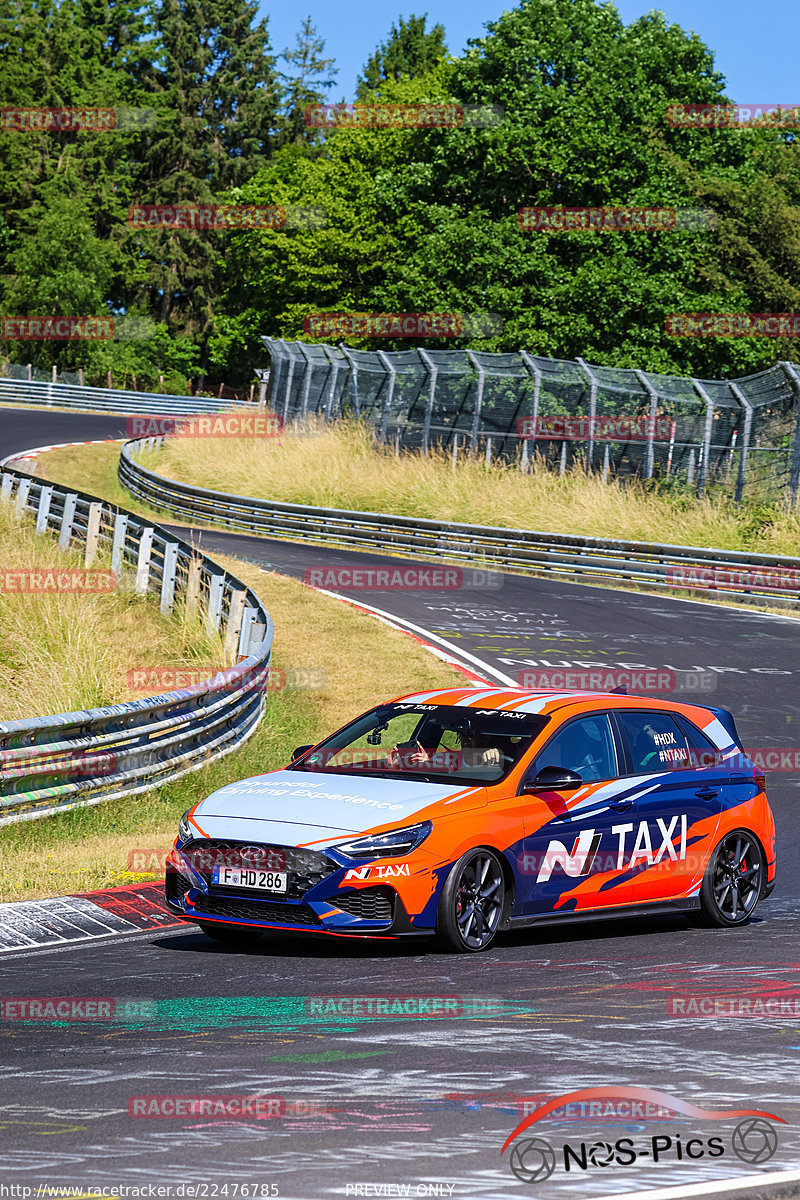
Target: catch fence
742	435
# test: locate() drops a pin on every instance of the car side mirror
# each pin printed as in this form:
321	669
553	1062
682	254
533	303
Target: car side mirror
553	779
299	751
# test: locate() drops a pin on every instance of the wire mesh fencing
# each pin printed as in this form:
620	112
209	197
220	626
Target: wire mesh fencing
740	435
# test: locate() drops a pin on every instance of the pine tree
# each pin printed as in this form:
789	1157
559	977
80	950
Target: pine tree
308	73
410	50
215	86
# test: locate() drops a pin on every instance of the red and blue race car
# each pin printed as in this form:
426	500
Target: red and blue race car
466	812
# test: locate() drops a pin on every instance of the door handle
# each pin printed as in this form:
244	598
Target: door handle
621	805
707	793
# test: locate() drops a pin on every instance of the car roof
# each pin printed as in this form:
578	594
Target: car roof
505	699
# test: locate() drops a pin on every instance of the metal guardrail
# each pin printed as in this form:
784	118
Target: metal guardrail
114	400
51	763
658	566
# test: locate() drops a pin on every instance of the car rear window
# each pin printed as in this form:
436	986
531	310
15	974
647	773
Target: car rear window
656	741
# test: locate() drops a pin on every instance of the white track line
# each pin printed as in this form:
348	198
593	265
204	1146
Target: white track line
21	455
425	634
737	1184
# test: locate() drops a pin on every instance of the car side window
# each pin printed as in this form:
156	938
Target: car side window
585	746
655	740
704	752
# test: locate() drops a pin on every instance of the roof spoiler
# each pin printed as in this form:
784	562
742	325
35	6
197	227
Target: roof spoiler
726	719
620	691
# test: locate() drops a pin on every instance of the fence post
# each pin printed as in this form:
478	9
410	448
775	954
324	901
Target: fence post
794	474
22	497
288	390
64	538
43	511
193	586
92	533
168	577
426	428
353	377
387	404
328	351
745	446
606	456
235	612
143	560
307	377
651	428
263	377
455	450
478	401
488	451
215	591
118	544
533	370
7	486
590	375
705	457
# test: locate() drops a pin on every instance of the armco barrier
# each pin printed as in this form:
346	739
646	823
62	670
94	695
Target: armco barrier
587	559
113	400
51	763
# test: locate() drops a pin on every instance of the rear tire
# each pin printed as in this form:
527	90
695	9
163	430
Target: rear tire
733	881
230	933
472	903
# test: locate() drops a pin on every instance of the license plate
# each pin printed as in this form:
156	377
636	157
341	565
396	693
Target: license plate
261	881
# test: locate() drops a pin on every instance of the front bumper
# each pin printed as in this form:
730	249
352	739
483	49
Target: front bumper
322	908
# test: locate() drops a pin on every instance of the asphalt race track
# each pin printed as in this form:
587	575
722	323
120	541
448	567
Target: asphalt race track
370	1105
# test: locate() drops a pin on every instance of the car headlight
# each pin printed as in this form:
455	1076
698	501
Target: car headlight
386	845
184	828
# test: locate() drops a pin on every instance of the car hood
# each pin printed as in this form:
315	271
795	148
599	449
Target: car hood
293	808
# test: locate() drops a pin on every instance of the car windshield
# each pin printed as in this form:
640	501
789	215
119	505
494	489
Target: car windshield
432	742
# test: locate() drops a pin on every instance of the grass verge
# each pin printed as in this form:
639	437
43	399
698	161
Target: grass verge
359	662
344	467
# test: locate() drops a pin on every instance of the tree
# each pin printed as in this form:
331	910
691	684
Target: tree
308	73
410	50
215	87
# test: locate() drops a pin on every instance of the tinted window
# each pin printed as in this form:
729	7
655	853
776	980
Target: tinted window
704	752
585	746
656	741
428	741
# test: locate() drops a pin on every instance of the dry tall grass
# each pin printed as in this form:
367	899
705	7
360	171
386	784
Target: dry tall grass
64	652
343	467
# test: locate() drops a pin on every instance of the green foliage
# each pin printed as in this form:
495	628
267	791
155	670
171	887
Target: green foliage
410	50
416	219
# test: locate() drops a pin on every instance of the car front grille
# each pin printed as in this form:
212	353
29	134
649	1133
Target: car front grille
304	868
254	910
371	904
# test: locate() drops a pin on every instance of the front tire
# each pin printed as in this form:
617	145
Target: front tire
472	903
733	880
232	934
